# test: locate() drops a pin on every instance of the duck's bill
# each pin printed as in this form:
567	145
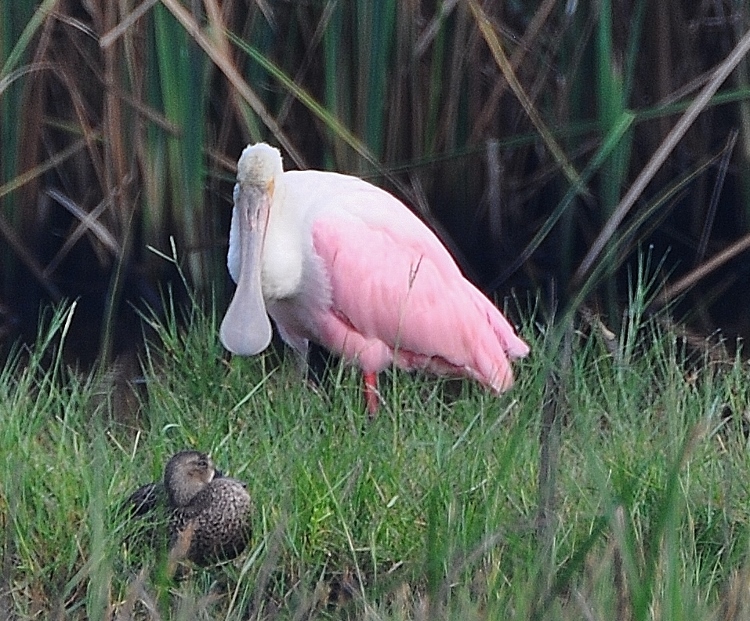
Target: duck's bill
246	329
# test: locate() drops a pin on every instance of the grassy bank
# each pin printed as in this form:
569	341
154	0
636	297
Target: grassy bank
428	512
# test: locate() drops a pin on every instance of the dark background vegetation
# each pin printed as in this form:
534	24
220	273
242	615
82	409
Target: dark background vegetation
121	123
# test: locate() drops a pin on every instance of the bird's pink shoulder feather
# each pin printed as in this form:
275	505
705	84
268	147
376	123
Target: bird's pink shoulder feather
393	281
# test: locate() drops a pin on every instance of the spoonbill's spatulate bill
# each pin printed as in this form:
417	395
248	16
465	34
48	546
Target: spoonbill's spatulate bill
337	261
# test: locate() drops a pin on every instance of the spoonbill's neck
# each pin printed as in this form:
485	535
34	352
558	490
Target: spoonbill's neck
283	247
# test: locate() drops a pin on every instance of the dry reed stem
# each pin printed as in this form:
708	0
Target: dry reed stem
524	45
488	32
106	40
659	157
691	278
216	52
726	155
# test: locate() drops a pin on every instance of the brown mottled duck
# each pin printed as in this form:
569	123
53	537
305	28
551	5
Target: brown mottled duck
209	514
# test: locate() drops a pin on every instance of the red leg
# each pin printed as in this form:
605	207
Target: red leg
371	393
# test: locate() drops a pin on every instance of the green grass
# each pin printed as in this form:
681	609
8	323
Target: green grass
429	511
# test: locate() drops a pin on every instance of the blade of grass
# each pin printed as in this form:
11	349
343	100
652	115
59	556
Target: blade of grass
643	596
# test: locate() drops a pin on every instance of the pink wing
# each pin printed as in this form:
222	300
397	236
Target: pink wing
398	296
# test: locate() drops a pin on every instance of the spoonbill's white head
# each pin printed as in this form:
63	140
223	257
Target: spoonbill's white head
246	329
258	166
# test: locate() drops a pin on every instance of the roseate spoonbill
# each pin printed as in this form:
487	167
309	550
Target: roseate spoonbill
208	513
337	261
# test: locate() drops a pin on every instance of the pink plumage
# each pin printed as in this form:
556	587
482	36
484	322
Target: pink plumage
340	262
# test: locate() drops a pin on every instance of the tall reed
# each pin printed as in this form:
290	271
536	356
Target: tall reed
121	123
